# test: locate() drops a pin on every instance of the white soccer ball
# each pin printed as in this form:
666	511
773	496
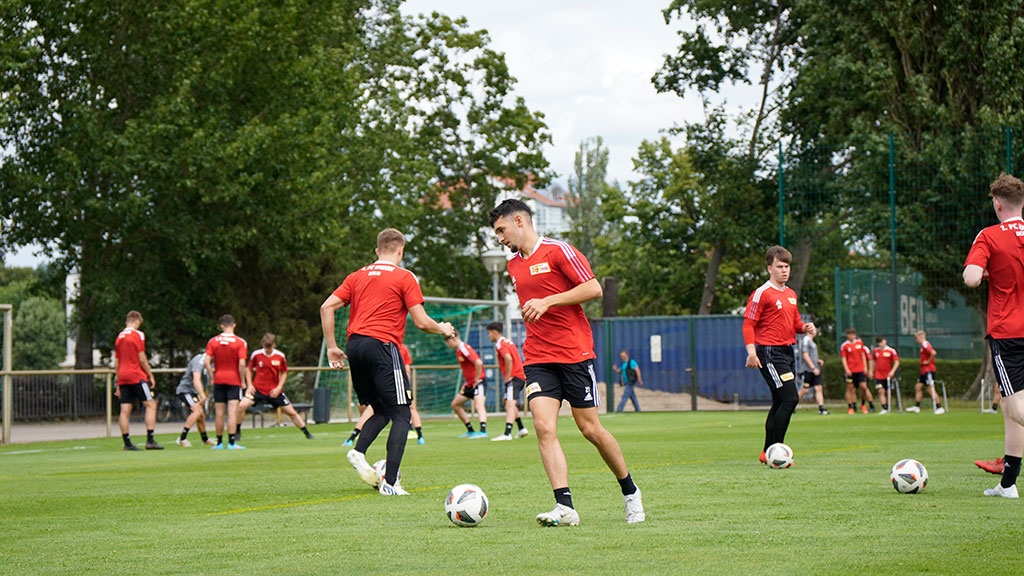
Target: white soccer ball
380	467
466	505
909	476
779	456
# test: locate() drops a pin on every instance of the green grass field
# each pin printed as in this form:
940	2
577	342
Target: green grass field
287	505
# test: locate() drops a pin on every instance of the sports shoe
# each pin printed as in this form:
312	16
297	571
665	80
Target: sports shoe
386	489
992	466
1010	492
183	443
823	412
940	412
864	408
477	435
310	437
411	435
634	508
366	472
210	442
914	409
130	448
153	446
217	447
762	458
850	411
501	438
988	411
467	435
523	432
348	443
421	440
883	411
236	447
561	516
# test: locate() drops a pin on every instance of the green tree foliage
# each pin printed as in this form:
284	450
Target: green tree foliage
39	334
587	186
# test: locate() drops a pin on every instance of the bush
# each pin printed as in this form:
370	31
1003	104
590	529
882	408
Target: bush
957	374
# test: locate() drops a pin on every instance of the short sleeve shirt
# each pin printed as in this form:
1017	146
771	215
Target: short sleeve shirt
884	358
225	350
467	358
855	353
505	346
807	345
267	369
127	347
927	361
1000	250
628	371
195	366
379	297
775	315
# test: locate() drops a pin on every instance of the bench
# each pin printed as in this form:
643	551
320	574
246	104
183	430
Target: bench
261	409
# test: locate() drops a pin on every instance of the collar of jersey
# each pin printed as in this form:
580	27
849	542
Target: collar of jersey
535	247
1012	219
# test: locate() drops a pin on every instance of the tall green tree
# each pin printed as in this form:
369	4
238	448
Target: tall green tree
40	333
587	186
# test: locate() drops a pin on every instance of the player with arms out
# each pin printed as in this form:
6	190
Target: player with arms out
225	359
191	392
998	254
552	280
511	366
380	296
884	362
854	355
474	388
134	378
267	373
927	375
770	325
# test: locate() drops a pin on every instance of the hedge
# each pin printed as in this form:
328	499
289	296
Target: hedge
957	374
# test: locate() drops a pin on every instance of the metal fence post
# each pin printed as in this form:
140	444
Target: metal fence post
693	363
8	394
110	400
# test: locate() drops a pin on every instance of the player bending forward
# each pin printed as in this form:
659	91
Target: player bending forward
770	325
511	366
267	372
191	391
552	280
998	254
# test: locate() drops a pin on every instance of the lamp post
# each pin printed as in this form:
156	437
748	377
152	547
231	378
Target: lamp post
495	262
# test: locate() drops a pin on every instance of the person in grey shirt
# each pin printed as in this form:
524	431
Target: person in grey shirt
809	366
191	391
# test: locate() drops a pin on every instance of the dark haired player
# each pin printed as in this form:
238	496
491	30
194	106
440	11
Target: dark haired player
133	380
191	392
474	388
885	362
770	325
511	366
267	373
552	280
225	359
998	254
380	296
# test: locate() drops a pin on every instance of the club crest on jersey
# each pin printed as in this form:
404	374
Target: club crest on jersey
275	362
542	268
792	301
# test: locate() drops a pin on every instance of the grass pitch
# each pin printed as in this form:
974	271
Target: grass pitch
287	505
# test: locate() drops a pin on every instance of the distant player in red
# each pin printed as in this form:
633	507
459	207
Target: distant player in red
927	375
998	254
474	388
134	380
885	362
225	360
511	367
854	355
267	372
552	280
770	325
379	296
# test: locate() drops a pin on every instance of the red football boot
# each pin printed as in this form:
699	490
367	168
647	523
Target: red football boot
993	466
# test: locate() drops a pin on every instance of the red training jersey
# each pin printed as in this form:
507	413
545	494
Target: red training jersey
927	361
562	335
505	346
379	296
267	369
225	350
856	355
467	358
127	347
884	358
773	315
1000	250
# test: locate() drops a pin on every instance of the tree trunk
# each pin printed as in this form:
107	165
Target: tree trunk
83	339
801	261
711	278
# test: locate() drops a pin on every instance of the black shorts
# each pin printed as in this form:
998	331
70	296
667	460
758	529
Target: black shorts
857	378
258	397
810	379
140	392
473	391
189	400
882	383
512	389
1008	360
378	374
576	383
226	393
776	365
928	378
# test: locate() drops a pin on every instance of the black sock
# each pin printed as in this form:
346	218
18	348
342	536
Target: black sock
149	437
419	432
220	439
821	407
519	423
238	434
508	428
204	436
469	426
885	406
483	427
852	405
306	432
938	405
918	404
184	434
355	434
563	496
127	439
995	407
1011	469
871	405
861	402
627	485
232	439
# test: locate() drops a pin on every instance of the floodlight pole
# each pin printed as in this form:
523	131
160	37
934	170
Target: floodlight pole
8	395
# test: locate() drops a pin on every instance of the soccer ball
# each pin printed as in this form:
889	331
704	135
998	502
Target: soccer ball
779	455
909	477
466	505
380	467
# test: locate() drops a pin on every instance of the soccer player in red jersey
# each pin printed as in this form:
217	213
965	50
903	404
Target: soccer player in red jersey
885	362
854	355
512	374
552	280
225	360
267	372
927	375
380	296
474	388
998	254
134	378
770	325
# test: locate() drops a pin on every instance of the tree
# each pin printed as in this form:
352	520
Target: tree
39	334
587	185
